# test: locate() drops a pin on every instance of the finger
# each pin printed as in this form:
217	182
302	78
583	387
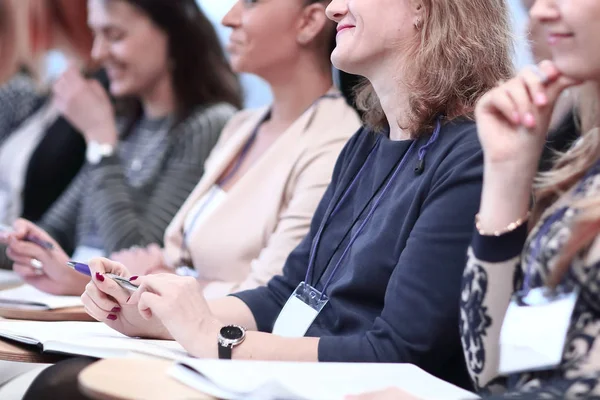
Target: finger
101	299
554	89
26	228
499	102
151	305
519	96
106	266
535	85
549	71
27	272
23	249
95	311
18	259
101	266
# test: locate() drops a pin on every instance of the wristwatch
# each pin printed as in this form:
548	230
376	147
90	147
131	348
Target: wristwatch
229	337
97	151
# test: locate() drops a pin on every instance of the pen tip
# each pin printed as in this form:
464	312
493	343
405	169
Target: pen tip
71	264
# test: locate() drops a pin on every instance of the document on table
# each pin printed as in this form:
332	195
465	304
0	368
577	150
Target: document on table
28	297
302	381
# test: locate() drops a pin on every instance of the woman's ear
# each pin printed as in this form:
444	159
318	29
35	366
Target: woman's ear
418	14
312	23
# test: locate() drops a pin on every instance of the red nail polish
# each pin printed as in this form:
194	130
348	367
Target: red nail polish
116	309
112	317
99	277
133	278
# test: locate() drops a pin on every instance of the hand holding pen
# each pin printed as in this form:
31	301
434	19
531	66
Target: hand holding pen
107	301
7	230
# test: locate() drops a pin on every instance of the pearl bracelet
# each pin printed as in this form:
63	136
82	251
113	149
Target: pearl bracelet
509	228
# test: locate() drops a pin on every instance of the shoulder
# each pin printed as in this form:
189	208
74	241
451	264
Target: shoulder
214	112
206	119
457	138
333	121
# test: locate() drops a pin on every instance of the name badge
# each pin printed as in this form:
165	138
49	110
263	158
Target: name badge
535	329
300	311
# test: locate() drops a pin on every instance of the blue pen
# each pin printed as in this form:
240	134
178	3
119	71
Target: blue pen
29	238
85	269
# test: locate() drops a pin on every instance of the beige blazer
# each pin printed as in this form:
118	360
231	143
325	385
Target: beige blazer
247	238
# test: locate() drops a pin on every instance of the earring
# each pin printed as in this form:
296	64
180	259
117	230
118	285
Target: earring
418	24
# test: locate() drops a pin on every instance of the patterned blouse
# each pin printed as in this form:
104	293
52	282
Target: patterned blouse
494	272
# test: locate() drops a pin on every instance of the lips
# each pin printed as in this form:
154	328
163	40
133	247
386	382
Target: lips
556	37
343	27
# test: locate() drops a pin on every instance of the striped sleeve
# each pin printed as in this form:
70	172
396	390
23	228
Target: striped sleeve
123	222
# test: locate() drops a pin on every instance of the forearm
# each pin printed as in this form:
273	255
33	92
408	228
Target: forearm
231	310
506	195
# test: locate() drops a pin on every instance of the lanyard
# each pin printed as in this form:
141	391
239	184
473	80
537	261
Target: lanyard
243	154
377	202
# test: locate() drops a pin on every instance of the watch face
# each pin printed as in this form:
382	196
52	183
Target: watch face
231	332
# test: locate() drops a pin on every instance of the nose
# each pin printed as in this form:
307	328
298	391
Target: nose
233	17
337	10
100	49
544	11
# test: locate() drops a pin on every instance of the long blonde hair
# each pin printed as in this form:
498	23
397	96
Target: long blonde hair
569	169
464	49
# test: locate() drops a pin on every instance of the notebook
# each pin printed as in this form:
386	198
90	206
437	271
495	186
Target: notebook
9	279
231	380
28	297
92	339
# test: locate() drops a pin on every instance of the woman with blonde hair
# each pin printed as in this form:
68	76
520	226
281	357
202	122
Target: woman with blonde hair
377	278
530	318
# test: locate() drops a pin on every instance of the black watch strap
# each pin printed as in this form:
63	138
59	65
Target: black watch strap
225	352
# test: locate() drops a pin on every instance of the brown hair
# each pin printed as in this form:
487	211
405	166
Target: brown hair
70	16
8	37
568	170
464	49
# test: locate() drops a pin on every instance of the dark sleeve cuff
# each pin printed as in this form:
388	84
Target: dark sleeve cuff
264	310
499	248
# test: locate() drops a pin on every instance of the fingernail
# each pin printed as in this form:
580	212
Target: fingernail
112	317
99	277
116	309
529	120
541	99
133	278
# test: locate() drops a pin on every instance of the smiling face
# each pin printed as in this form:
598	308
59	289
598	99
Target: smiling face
373	32
571	29
264	34
129	46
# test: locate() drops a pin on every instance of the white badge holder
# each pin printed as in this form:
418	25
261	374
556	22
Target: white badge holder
535	330
300	311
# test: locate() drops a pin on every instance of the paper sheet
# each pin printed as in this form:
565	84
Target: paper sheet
28	297
325	381
93	339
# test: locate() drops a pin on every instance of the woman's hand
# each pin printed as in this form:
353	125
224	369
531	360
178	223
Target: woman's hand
512	123
513	118
388	394
43	268
107	302
142	260
86	105
178	303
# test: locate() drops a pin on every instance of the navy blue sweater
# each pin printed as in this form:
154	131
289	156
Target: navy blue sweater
395	297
